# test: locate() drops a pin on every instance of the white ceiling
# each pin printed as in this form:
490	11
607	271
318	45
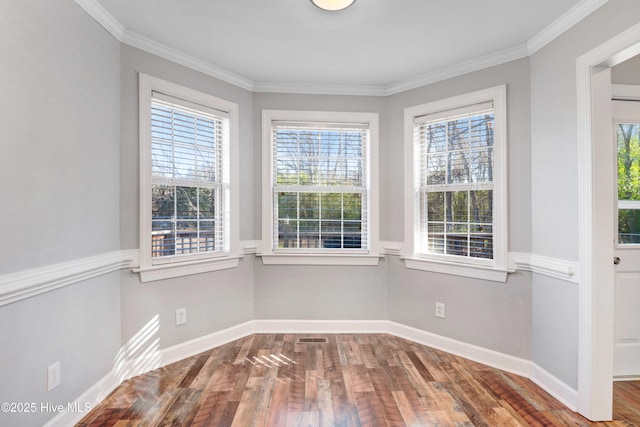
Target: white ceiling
373	45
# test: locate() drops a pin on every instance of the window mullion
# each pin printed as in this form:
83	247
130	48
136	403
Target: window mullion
465	186
320	216
447	154
174	220
445	223
275	222
341	220
298	220
318	189
469	223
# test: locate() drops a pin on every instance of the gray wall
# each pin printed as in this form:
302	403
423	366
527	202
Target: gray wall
554	328
216	300
321	292
555	179
59	177
60	133
488	314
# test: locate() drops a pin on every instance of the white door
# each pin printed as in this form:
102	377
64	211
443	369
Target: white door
627	253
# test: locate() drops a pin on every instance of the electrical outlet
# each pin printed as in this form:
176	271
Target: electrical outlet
53	376
440	310
181	316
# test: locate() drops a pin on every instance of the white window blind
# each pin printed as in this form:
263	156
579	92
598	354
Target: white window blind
456	182
188	167
320	194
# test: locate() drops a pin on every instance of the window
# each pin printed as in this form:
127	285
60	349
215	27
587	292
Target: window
456	203
186	140
628	165
320	195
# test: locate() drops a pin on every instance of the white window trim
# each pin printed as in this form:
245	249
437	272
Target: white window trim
187	265
497	269
339	257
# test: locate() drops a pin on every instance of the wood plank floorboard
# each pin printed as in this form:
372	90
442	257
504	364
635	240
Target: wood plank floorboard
351	380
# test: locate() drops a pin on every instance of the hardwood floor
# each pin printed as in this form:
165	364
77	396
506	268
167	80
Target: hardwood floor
351	380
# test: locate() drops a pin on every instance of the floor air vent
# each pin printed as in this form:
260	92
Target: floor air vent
313	340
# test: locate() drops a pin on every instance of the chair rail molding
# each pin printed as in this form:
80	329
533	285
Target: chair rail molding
29	283
391	248
547	266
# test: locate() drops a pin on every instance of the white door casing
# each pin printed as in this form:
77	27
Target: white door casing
595	332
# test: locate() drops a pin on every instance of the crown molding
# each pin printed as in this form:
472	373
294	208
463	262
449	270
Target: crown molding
466	67
151	46
476	64
104	18
117	30
563	23
559	26
318	89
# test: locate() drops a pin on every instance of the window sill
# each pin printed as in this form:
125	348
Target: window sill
457	269
319	259
168	271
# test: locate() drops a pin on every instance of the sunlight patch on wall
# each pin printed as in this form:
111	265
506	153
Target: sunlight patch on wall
141	353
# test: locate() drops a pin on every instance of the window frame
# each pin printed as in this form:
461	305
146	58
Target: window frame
167	267
495	269
293	256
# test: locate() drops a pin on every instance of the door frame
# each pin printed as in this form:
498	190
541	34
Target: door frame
596	294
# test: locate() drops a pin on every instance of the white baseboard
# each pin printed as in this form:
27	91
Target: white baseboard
320	326
478	354
621	378
505	362
526	368
556	388
87	401
191	348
